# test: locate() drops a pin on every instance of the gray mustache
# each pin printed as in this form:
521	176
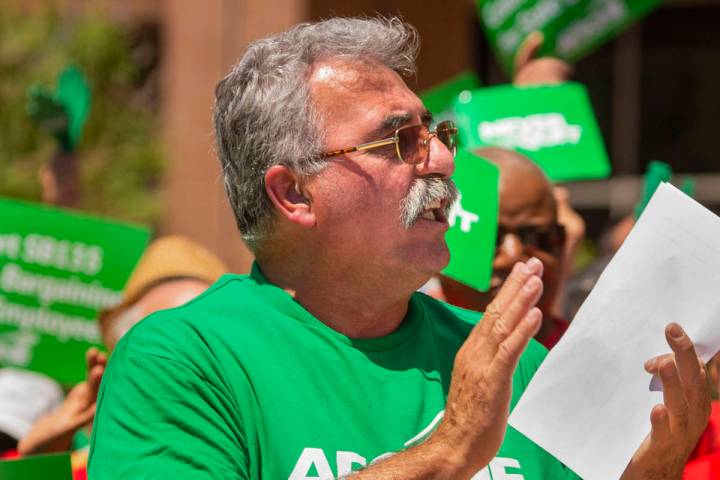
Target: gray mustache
423	192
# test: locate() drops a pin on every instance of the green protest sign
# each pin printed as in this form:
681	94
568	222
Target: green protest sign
571	28
441	98
46	467
552	125
57	271
657	173
473	221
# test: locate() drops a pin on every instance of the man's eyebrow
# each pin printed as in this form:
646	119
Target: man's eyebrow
389	124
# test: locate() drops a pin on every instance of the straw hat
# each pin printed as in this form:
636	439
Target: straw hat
167	258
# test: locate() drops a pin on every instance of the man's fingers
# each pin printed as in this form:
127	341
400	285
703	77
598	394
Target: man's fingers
652	365
692	373
661	433
509	351
520	306
513	283
674	394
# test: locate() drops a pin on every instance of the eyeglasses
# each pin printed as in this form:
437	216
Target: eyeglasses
548	238
412	142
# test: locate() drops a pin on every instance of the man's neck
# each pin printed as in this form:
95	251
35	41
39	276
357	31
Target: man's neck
359	305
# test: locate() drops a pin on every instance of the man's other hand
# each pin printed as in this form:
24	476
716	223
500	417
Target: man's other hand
678	423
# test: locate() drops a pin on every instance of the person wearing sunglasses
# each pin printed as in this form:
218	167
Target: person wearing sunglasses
528	226
324	361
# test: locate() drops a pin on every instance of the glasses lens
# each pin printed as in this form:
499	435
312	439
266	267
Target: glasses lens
447	134
412	146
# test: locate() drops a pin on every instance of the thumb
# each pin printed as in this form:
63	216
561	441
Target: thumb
528	49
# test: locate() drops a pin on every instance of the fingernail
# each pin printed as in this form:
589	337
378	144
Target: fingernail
675	331
518	266
534	263
533	316
650	364
531	284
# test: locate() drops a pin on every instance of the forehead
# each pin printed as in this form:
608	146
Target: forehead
361	93
525	196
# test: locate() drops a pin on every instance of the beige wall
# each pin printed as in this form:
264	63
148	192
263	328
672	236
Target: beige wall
446	31
201	40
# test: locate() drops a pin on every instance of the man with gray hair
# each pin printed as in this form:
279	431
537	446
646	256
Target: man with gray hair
323	362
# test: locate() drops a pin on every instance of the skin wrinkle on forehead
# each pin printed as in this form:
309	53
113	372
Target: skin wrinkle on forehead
353	76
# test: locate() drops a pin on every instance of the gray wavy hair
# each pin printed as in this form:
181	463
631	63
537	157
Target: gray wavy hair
263	114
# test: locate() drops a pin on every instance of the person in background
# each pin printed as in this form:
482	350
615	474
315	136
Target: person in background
528	226
172	271
526	194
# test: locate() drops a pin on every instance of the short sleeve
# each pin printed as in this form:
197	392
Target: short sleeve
162	415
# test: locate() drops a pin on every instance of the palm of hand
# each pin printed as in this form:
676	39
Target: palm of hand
54	432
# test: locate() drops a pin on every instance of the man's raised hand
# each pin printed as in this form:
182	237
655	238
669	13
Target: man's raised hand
478	402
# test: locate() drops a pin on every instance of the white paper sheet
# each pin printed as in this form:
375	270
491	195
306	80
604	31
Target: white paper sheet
589	403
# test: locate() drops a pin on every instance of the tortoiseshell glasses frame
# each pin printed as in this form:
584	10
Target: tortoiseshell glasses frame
412	142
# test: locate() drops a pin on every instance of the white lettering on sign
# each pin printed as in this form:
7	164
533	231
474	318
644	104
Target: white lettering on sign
467	218
64	327
17	347
509	40
10	246
578	34
75	257
50	290
496	13
536	17
532	132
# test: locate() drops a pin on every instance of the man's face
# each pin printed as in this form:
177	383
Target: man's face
357	199
526	228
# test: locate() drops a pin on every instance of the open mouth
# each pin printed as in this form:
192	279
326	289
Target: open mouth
435	211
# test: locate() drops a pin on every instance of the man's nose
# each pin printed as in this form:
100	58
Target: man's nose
510	250
440	160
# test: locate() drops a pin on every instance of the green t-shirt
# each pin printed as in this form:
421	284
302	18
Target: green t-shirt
244	383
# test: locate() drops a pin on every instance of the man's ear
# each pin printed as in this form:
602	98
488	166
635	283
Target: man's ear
282	186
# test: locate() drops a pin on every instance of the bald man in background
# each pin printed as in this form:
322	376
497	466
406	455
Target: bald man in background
528	227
